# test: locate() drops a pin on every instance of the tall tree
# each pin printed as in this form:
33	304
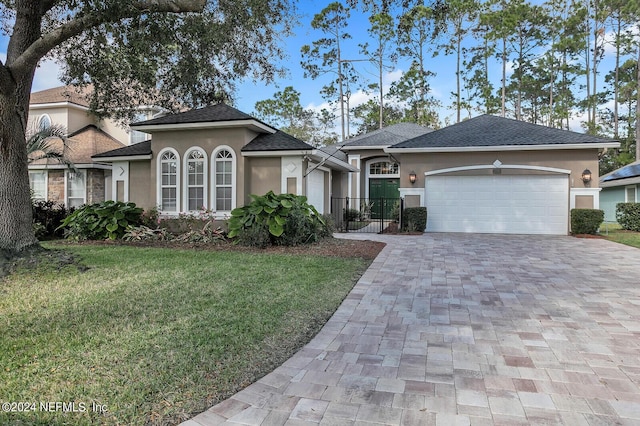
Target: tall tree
458	17
325	54
417	27
172	50
382	30
285	112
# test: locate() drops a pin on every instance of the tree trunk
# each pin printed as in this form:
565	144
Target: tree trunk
16	231
638	107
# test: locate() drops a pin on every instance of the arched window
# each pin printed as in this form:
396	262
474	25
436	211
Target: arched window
224	162
168	171
196	178
44	122
383	168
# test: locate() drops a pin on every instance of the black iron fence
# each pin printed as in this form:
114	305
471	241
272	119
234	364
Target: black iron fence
373	215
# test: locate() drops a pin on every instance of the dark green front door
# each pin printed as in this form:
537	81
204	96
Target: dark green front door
383	194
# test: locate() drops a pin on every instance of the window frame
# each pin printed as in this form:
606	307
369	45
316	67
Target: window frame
40	126
635	193
46	184
159	184
68	176
215	186
205	178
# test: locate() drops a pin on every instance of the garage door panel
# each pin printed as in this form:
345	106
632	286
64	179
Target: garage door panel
523	204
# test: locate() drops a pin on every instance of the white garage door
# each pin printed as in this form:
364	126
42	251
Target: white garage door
315	190
523	204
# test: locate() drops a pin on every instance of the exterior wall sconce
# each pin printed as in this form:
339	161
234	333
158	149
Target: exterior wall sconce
586	176
412	177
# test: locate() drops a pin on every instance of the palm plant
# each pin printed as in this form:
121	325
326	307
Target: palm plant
49	143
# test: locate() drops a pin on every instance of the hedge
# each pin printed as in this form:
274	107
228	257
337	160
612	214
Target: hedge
414	219
628	216
586	221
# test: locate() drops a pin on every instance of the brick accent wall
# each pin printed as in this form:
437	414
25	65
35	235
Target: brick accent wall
55	190
95	186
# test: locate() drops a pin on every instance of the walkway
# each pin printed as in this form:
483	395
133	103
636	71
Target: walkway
453	329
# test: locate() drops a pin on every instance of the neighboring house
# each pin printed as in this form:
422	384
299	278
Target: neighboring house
619	186
89	181
213	158
487	174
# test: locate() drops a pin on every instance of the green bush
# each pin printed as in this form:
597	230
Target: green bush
109	219
586	221
414	219
628	216
47	217
287	219
351	215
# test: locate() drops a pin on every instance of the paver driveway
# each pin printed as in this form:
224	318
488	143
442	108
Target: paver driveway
467	329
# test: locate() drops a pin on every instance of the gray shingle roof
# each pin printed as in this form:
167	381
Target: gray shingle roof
388	136
278	141
142	148
490	131
208	114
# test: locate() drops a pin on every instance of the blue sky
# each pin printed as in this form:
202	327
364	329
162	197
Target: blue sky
249	93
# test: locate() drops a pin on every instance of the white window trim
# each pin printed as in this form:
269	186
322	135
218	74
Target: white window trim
205	177
159	181
66	186
234	172
626	194
46	182
369	175
39	122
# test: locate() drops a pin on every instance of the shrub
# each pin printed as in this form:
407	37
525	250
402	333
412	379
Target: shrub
109	219
414	219
351	215
47	217
209	233
288	219
145	233
150	218
628	216
586	221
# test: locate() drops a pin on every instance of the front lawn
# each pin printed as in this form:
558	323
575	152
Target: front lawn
613	232
155	335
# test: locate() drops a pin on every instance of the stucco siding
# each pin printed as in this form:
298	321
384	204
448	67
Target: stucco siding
141	189
574	160
265	176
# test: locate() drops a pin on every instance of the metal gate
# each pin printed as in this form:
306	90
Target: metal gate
366	214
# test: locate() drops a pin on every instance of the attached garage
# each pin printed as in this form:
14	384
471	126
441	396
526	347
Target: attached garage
506	204
315	190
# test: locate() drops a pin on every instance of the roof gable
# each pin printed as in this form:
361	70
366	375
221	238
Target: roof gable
278	141
491	131
387	136
60	94
141	148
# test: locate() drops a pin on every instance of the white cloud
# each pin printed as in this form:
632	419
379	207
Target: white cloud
47	75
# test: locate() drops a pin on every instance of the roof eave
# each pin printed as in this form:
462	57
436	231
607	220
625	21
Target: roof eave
322	157
123	158
348	147
393	150
251	124
65	104
276	153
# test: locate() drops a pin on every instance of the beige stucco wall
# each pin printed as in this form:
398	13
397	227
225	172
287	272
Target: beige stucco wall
265	176
115	130
141	190
71	118
209	140
574	160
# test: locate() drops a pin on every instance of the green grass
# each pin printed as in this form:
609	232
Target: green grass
157	335
615	233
